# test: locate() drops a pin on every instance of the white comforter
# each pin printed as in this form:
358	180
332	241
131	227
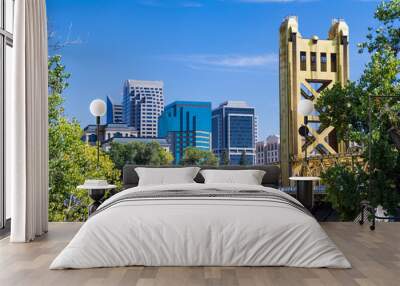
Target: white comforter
200	231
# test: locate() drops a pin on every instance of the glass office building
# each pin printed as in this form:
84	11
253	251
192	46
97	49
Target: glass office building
143	102
185	124
234	132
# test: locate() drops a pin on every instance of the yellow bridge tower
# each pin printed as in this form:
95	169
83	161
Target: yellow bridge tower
307	66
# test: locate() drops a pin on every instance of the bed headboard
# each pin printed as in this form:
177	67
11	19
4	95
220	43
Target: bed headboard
271	177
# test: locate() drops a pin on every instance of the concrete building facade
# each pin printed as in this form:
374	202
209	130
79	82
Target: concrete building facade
260	155
268	151
272	150
107	132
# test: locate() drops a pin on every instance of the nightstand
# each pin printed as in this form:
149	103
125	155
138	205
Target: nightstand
96	191
305	194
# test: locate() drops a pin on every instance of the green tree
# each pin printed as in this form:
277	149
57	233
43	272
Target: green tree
196	157
71	161
243	159
387	34
347	109
139	153
225	158
345	188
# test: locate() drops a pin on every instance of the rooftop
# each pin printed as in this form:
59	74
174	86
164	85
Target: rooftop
92	127
145	83
180	102
124	140
235	104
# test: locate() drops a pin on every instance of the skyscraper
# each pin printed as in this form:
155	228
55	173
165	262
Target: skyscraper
143	102
114	112
185	124
233	131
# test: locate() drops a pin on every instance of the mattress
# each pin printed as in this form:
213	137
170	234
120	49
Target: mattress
201	225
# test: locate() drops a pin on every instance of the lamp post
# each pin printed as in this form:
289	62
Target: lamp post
305	108
98	109
304	189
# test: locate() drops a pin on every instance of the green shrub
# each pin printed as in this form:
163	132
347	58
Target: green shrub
345	189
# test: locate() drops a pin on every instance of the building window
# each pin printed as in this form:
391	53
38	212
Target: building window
303	61
333	63
313	61
323	62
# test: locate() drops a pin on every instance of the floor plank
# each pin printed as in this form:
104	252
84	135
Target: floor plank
375	257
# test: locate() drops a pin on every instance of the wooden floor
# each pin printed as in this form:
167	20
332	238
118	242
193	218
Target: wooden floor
375	257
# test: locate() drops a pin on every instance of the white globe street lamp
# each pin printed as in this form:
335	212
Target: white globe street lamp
98	108
305	108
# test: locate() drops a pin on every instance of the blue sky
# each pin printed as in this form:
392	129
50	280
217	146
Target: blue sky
212	50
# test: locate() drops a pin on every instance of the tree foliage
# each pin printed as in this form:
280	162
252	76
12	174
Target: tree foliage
387	35
347	109
225	158
139	153
345	187
71	161
196	157
243	159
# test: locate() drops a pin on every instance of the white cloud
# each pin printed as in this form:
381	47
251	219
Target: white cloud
160	3
199	4
232	62
153	3
192	4
274	1
266	1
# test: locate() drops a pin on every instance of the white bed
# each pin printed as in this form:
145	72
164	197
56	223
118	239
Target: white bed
206	230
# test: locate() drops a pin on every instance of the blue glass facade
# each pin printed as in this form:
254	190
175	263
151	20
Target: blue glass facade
233	130
186	124
114	112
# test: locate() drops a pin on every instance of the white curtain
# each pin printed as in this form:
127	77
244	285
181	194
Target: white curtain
27	124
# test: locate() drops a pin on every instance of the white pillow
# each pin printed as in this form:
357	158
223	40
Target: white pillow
166	176
248	177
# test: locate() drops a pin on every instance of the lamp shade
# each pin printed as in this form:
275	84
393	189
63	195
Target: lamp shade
305	107
98	107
